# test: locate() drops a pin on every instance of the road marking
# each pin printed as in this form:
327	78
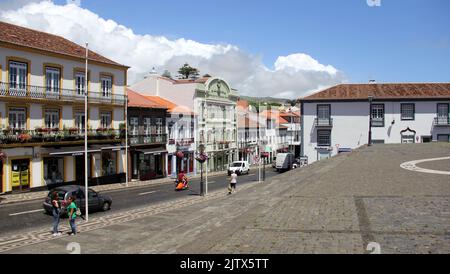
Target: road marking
26	212
146	193
413	166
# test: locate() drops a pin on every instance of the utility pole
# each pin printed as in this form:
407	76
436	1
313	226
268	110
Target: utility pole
370	121
86	185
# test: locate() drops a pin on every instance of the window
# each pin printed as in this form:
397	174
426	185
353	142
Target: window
109	163
17	118
53	170
105	120
18	78
324	138
323	114
106	86
378	142
407	112
79	121
80	83
134	126
377	112
52	80
51	118
147	126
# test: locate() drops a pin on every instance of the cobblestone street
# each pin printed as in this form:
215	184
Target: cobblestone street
334	206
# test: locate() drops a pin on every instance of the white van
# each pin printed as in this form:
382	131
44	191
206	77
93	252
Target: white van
284	161
240	167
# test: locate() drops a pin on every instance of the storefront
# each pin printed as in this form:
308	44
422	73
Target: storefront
148	164
53	170
20	175
181	161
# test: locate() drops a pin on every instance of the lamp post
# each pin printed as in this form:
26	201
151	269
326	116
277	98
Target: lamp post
86	191
370	121
201	158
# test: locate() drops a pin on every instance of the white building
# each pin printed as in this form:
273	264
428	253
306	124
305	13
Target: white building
346	116
213	102
42	111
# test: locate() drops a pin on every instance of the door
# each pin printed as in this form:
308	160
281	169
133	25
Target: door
20	175
79	168
324	155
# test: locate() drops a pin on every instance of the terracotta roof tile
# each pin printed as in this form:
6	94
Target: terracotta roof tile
171	107
383	91
137	100
20	36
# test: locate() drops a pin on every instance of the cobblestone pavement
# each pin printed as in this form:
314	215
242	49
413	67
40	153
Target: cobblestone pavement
334	206
27	196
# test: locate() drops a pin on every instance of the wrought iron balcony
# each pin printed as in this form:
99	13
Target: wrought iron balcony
12	137
56	94
147	139
323	122
442	121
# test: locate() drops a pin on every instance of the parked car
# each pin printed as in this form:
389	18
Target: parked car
240	167
285	161
97	201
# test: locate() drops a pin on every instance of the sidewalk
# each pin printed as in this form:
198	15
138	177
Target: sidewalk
333	206
28	196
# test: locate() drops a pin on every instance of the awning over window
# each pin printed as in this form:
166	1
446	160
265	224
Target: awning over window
70	151
152	151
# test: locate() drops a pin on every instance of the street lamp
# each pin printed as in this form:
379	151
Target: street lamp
201	158
370	120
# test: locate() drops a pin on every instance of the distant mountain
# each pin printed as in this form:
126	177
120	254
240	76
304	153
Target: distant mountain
265	99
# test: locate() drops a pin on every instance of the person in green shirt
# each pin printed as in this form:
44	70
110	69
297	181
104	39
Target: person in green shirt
72	211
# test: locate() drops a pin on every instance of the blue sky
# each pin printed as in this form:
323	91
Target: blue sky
402	40
283	48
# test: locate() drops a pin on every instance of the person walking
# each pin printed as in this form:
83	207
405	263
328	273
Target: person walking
233	182
72	211
56	212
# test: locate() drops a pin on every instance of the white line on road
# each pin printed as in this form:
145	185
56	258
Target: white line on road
26	212
146	193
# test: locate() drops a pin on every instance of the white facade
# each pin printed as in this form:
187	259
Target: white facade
349	125
213	102
37	94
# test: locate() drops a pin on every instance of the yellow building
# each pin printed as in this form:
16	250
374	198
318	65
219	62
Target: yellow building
42	90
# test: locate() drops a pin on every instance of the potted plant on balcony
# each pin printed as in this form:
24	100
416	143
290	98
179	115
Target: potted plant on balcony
24	137
73	131
7	131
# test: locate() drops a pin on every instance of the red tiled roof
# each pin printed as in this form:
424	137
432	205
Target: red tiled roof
171	107
383	91
25	37
137	100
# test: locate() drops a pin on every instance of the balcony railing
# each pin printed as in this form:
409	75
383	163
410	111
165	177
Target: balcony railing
323	122
148	139
442	121
45	93
377	122
44	136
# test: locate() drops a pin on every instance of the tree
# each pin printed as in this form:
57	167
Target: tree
187	71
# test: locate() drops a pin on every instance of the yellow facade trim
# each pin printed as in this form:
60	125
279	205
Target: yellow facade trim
75	71
27	113
30	178
52	107
20	60
62	56
61	74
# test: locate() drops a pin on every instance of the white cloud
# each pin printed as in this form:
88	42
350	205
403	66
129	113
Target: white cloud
293	76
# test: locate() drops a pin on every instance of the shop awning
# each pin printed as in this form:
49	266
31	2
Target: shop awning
70	151
152	151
